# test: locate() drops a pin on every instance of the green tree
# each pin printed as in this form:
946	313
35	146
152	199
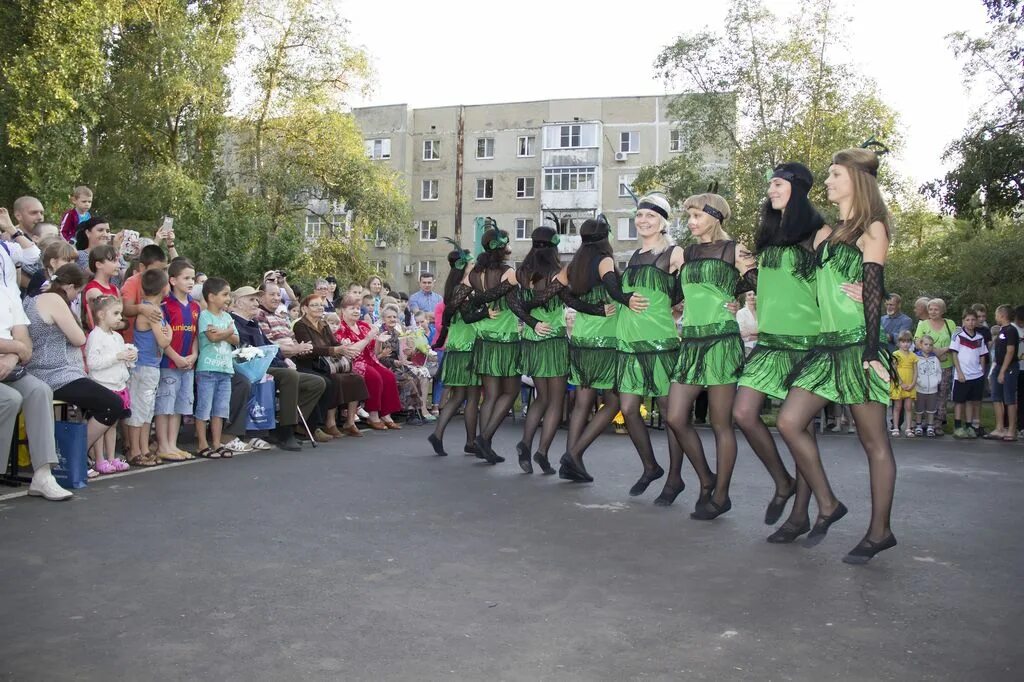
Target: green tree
760	92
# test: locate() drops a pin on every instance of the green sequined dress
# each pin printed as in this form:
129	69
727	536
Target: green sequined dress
834	367
788	321
648	343
593	346
496	351
711	351
457	368
546	356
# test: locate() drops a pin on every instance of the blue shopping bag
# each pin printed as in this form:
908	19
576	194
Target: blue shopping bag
254	369
260	411
72	468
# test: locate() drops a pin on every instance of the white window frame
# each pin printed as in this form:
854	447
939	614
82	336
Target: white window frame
571	131
482	189
429	229
485	142
526	146
626	230
426	266
629	142
378	148
526	187
314	227
676	140
626	181
430	190
379	266
523	226
434	153
568	178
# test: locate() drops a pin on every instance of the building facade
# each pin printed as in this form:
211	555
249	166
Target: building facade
519	163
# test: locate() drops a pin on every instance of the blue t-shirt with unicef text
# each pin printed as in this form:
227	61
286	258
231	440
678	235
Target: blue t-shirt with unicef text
215	356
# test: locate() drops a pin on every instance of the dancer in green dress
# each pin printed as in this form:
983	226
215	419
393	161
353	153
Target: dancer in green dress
787	326
457	337
542	287
648	341
845	365
710	353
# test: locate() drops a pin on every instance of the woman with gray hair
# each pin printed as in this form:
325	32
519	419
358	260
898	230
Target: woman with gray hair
941	330
413	381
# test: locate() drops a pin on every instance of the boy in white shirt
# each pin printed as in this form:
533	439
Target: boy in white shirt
969	355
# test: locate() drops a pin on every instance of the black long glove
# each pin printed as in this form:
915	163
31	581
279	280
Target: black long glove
874	286
614	288
556	288
748	282
518	306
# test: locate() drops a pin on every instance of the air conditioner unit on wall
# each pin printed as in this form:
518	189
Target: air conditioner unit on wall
621	156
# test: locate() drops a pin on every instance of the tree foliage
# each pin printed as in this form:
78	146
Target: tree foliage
765	92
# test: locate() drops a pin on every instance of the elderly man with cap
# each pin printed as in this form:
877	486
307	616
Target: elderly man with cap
296	390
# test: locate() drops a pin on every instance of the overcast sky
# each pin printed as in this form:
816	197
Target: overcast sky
446	52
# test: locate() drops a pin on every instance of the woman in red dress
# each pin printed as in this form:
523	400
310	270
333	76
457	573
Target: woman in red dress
359	339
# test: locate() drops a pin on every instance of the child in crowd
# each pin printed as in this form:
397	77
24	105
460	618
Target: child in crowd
151	337
294	312
217	335
333	322
108	358
55	254
174	395
104	264
904	385
969	355
152	257
81	202
929	374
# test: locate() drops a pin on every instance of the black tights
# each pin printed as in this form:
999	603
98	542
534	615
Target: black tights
630	407
499	396
680	403
583	433
547	406
454	397
798	413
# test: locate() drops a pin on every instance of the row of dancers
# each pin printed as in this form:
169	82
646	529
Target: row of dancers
819	291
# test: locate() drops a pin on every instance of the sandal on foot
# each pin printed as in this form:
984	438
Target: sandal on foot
260	444
225	452
142	461
171	456
208	453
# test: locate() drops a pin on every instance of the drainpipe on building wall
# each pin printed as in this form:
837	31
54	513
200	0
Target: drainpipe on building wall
459	145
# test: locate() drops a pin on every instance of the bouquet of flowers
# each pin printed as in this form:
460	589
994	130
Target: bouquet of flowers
619	422
252	362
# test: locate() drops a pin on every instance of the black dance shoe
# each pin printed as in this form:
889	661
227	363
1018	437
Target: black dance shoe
438	446
542	461
641	485
822	525
778	505
489	454
571	472
866	549
706	492
524	457
788	533
472	451
711	510
668	495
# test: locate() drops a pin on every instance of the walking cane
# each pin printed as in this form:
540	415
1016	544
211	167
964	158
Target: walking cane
306	426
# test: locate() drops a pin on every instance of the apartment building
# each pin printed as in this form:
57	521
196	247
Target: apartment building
519	163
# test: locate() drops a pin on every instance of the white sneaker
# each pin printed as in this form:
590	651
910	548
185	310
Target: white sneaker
47	486
362	414
238	446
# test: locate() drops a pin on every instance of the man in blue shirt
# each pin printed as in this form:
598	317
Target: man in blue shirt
425	299
894	322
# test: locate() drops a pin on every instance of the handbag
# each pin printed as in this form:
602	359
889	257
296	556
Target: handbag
332	365
260	414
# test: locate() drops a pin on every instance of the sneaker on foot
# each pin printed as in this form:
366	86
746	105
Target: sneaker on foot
960	433
46	485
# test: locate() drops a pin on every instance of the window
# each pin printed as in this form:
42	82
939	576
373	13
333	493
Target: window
485	148
379	148
627	229
485	188
379	266
573	135
428	230
570	136
676	141
431	150
629	142
315	227
526	145
429	192
426	266
569	179
626	184
525	188
524	226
